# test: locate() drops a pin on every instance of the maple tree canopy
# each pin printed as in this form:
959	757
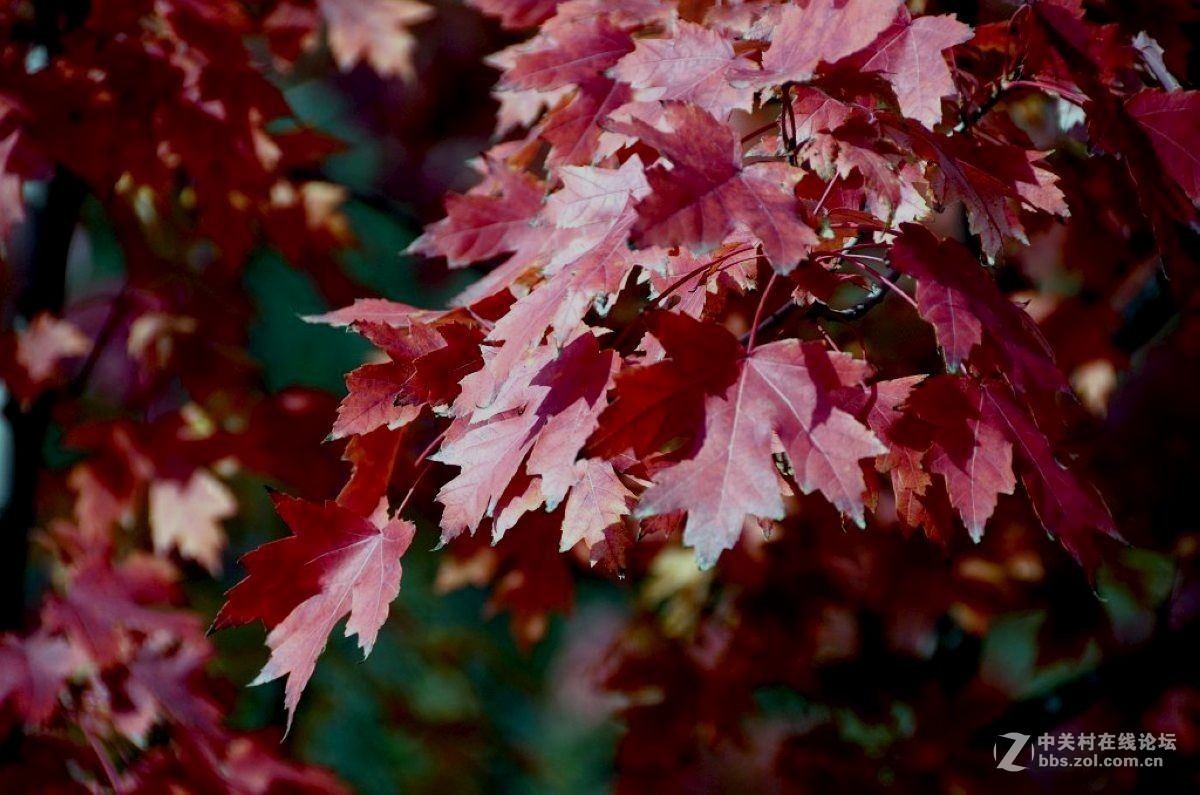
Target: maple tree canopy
799	287
751	158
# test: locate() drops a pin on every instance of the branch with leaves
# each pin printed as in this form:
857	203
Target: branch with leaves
662	178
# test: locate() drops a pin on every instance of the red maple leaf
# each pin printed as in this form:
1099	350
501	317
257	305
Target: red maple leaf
32	672
598	500
960	301
706	193
492	219
909	55
821	32
784	390
337	563
546	413
1067	506
518	13
568	55
654	404
34	358
918	498
427	363
573	129
1169	118
187	516
969	448
375	31
995	182
694	64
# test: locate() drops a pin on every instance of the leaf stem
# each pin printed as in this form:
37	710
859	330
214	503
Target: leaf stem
762	302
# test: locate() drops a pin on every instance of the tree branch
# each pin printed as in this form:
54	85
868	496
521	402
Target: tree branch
820	311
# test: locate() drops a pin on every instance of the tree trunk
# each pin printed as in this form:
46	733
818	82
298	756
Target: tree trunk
43	290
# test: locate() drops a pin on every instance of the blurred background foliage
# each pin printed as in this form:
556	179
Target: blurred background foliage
447	702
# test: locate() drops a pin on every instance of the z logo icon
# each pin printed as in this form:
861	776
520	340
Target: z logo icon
1009	760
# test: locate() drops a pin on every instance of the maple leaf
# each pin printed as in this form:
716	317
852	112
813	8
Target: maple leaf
188	517
281	433
593	205
699	286
105	603
575	397
994	181
1169	119
517	13
836	140
159	689
546	414
427	362
821	32
489	457
375	31
908	439
561	303
969	448
33	671
494	218
707	193
597	501
595	195
379	310
654	404
573	130
694	64
373	459
521	109
568	56
35	360
910	56
1068	507
336	563
958	299
817	112
374	392
784	390
291	29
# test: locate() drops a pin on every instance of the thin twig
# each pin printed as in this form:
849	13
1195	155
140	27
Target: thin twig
416	480
106	764
762	302
725	264
116	314
749	337
822	311
888	279
757	132
404	502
